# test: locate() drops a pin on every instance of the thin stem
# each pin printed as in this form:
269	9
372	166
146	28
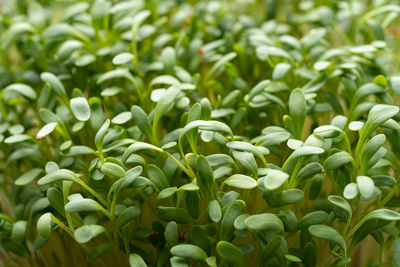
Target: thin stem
62	225
113	203
138	88
346	227
292	182
179	197
264	162
189	172
134	46
91	191
359	147
348	145
68	215
126	244
154	131
101	156
389	196
355	228
286	163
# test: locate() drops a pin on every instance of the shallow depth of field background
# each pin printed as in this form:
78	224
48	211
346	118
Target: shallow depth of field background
243	26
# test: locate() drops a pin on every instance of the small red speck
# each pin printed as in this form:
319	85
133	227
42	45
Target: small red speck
182	235
186	22
39	137
393	32
153	234
201	51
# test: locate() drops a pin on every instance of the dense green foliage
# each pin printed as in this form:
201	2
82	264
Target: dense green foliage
199	133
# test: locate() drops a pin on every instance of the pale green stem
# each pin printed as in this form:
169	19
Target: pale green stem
113	203
292	178
62	225
391	193
91	191
101	156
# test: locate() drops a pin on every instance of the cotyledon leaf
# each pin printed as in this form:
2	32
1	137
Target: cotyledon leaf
241	181
54	83
142	121
231	254
337	160
205	125
113	170
122	58
244	146
274	179
164	104
44	225
19	231
62	174
377	116
214	69
171	233
14	31
188	251
328	233
205	176
82	205
85	233
122	118
341	203
22	89
350	191
115	74
378	214
366	186
265	221
304	150
312	218
157	177
46	130
101	133
80	108
138	146
383	214
214	211
28	176
174	214
135	260
298	109
165	79
280	70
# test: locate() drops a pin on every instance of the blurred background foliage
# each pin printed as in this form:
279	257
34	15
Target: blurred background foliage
223	48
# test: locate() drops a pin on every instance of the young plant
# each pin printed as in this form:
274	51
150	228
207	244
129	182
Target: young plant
199	133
